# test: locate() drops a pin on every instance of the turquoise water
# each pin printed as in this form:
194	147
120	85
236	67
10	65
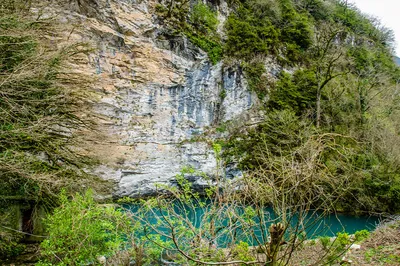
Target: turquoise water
314	224
348	223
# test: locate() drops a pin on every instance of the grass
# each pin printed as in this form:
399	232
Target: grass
383	255
381	248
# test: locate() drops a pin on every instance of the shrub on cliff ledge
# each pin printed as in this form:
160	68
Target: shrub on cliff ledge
203	18
247	36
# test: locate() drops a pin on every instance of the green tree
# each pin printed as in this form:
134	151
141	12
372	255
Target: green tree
328	59
372	76
295	92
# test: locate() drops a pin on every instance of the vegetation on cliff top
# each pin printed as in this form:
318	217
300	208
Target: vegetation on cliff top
342	81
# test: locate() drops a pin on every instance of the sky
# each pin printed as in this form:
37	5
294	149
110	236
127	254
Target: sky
388	11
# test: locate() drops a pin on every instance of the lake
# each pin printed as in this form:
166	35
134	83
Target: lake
315	224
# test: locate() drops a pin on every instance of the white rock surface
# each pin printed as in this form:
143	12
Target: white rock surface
154	94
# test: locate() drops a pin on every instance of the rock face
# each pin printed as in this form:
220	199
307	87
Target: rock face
158	97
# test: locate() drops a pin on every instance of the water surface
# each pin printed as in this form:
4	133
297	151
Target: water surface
315	224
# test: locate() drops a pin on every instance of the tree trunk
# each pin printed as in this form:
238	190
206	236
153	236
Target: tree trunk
318	107
276	232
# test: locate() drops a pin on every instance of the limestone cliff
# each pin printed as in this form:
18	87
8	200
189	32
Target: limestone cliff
157	96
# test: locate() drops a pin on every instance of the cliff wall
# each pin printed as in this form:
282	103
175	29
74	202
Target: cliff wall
158	98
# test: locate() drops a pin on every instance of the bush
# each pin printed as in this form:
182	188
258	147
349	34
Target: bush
361	235
280	133
298	32
211	47
296	93
337	248
342	240
243	39
10	247
242	252
203	18
318	9
265	9
199	25
247	36
81	230
254	75
325	242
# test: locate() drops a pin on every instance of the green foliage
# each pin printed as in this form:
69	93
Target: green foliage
384	189
367	59
242	252
296	31
260	28
336	248
351	103
342	240
211	47
318	9
79	230
247	36
19	49
257	29
203	18
222	94
217	148
361	235
199	25
265	9
371	178
384	255
202	31
254	74
348	15
296	92
373	183
10	249
325	242
221	128
280	133
173	13
10	246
